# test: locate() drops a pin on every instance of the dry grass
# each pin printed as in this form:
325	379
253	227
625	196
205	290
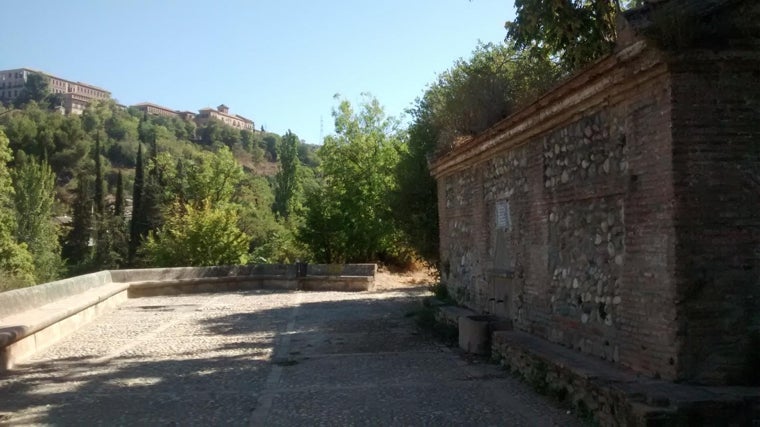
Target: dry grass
385	279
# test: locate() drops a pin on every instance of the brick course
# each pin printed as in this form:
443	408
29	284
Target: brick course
633	194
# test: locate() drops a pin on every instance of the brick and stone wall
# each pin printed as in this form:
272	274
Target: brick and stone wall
716	164
619	215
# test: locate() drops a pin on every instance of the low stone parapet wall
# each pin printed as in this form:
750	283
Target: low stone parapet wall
36	317
341	270
20	300
291	277
35	328
179	273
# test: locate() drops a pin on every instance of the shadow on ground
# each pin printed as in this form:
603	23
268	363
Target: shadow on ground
214	374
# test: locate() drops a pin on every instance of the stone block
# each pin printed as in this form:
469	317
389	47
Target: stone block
474	334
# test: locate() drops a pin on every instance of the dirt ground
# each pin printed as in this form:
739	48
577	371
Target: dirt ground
386	279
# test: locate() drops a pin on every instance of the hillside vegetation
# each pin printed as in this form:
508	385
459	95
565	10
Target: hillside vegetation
116	188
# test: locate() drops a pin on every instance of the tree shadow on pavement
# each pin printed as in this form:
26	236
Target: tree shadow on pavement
199	380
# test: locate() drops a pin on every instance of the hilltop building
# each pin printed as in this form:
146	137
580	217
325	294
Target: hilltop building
222	113
156	110
76	96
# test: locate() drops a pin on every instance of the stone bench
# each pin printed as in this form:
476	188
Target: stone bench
34	318
612	393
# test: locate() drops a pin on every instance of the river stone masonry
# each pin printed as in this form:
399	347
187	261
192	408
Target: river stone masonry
619	214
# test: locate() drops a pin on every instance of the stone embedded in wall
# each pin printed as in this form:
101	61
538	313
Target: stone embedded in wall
460	257
583	151
506	176
586	241
457	193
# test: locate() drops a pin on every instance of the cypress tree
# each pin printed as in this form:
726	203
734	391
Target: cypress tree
151	205
99	196
286	180
118	244
153	155
136	226
152	191
77	249
118	207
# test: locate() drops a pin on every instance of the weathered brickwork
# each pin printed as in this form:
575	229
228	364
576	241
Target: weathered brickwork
620	215
716	162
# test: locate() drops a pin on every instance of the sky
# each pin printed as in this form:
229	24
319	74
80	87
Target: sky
277	62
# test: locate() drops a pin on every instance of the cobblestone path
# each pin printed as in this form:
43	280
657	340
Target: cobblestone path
265	358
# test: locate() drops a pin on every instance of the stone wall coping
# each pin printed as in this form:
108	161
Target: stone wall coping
20	325
20	300
547	112
201	280
255	270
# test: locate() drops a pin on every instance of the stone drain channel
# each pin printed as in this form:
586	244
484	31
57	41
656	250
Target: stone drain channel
265	358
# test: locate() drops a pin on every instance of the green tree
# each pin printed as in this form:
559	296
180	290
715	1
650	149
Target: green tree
34	186
286	180
198	236
35	89
415	203
323	229
137	229
118	206
465	100
105	222
476	93
43	134
213	177
575	32
16	264
118	238
146	132
78	247
153	193
351	207
271	142
100	201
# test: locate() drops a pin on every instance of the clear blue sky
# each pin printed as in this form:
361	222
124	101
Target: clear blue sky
277	62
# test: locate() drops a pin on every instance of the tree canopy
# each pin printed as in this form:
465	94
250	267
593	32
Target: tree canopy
34	197
477	92
349	218
286	180
573	32
91	175
198	235
16	263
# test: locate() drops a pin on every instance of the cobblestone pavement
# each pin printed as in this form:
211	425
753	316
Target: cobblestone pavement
265	358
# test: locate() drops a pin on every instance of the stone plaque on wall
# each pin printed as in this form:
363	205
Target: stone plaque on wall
502	215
